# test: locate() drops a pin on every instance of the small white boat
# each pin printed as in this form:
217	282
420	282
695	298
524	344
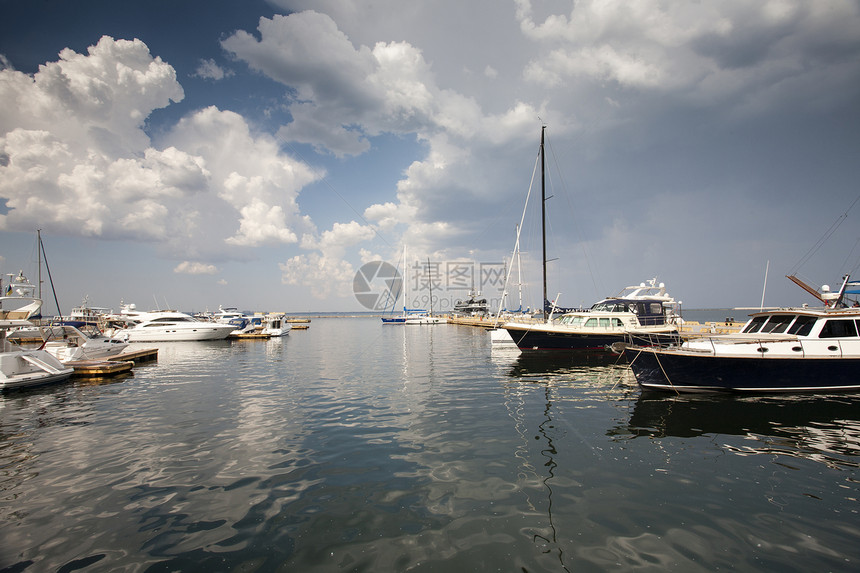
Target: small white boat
241	323
69	344
275	324
21	368
425	318
168	326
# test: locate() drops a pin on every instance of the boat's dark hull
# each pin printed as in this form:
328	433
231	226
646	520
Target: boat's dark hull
673	371
536	339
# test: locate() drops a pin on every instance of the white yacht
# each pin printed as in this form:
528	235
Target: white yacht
169	325
19	300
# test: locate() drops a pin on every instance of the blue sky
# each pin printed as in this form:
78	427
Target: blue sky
257	154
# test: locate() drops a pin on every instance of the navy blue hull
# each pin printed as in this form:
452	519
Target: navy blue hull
673	372
532	339
536	340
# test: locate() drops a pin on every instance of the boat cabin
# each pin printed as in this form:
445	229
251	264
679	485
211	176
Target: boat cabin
836	325
648	312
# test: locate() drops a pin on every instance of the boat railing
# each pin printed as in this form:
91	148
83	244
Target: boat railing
653	339
762	344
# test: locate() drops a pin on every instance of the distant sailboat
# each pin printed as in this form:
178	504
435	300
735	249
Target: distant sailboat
424	317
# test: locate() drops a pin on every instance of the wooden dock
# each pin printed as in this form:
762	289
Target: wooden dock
99	368
481	321
137	355
114	365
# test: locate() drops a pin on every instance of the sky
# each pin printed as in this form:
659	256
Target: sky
267	155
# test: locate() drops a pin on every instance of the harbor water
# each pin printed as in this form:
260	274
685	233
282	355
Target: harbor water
353	446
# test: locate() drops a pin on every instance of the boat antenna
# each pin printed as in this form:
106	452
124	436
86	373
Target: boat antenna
764	288
543	213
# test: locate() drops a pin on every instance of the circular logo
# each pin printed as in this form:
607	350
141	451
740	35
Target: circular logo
377	285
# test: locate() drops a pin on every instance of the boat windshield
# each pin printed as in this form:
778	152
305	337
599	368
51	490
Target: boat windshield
802	326
755	324
778	323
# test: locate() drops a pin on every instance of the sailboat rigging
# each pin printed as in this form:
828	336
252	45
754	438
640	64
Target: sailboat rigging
643	310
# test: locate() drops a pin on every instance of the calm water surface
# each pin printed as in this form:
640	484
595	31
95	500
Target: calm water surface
357	447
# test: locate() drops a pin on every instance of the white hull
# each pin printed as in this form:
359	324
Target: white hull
426	320
93	349
170	334
23	369
169	326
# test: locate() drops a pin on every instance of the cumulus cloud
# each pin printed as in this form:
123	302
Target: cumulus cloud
711	52
327	276
326	271
76	159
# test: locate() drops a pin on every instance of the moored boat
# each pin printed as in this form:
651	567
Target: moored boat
783	350
474	305
275	324
69	344
169	325
23	368
644	311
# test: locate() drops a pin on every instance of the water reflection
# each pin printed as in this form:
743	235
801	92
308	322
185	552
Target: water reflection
820	428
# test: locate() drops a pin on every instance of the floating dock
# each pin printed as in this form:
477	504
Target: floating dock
137	355
482	321
99	368
114	365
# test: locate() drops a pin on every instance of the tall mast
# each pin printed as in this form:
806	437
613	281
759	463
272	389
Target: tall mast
543	216
430	284
39	259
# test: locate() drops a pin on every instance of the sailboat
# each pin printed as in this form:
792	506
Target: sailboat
424	317
643	312
402	318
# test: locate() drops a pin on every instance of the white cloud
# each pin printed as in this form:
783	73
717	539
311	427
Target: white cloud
210	70
327	272
326	276
195	268
76	160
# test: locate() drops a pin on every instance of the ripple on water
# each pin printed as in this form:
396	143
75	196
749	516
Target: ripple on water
352	446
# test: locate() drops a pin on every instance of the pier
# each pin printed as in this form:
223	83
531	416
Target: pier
114	365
